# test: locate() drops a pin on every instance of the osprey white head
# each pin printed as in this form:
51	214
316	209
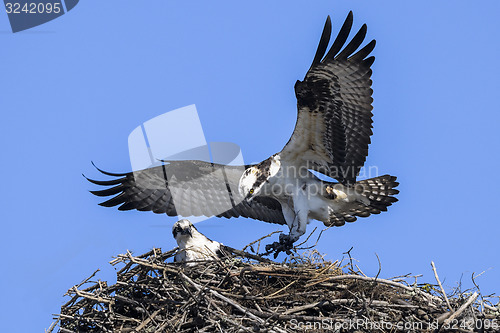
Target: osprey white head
254	178
182	230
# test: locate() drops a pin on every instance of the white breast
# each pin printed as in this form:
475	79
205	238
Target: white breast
197	248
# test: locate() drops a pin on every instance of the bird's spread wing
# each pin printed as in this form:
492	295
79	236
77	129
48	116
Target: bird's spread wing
187	188
334	118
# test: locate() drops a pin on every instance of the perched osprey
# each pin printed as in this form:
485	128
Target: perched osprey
193	245
331	136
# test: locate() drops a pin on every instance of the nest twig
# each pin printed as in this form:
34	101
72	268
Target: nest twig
246	293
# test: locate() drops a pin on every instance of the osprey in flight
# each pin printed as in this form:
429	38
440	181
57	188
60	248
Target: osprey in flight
331	136
193	245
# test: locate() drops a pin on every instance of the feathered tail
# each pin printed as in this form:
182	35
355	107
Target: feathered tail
380	192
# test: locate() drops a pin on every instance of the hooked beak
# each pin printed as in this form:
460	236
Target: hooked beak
249	198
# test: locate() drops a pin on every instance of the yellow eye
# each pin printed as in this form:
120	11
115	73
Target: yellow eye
251	191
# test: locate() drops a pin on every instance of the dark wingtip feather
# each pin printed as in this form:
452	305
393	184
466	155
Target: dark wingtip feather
108	173
341	37
349	18
105	182
107	204
365	51
109	191
323	42
128	206
354	43
119	199
369	61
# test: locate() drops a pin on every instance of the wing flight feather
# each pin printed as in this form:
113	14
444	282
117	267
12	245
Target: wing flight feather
334	120
187	188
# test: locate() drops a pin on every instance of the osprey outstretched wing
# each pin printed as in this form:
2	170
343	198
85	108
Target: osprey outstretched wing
186	188
334	118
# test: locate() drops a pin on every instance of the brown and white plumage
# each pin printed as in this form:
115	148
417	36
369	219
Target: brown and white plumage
186	188
331	136
334	119
193	245
379	191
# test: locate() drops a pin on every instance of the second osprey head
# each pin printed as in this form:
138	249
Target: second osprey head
182	229
254	178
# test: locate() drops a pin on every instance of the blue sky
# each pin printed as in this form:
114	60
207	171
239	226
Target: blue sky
73	89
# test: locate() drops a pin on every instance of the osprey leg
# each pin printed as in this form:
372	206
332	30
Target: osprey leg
301	211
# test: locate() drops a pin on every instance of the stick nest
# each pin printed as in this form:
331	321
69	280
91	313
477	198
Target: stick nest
247	293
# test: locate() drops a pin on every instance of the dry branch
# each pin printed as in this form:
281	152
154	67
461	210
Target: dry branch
247	293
